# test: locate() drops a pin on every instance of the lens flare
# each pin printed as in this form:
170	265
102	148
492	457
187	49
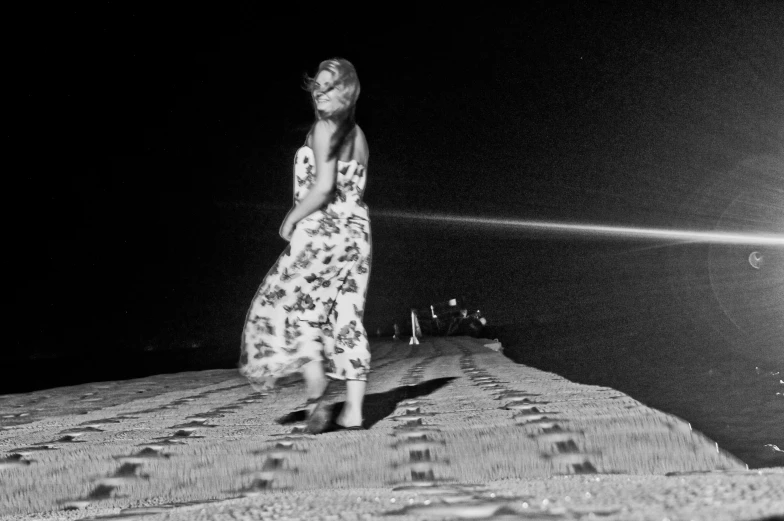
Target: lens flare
755	259
718	237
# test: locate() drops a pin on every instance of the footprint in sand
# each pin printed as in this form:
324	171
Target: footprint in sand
228	408
14	461
68	438
166	441
104	421
105	487
182	433
183	401
81	430
33	448
149	452
205	415
195	423
17	415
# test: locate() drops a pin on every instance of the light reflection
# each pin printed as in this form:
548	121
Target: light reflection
716	237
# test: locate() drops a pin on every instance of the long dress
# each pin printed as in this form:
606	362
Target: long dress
311	302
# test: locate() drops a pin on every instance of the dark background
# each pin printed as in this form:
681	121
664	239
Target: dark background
150	162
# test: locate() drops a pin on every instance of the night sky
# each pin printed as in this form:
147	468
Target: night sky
146	137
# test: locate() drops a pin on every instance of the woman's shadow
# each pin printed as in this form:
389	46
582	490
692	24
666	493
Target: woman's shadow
378	405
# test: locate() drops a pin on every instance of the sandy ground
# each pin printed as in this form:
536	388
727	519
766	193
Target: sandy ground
455	431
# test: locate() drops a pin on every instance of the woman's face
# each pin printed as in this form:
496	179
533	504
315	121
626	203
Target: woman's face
325	94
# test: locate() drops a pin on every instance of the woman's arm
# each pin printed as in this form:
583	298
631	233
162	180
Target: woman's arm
320	191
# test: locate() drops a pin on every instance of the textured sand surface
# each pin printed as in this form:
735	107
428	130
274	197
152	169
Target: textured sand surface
456	431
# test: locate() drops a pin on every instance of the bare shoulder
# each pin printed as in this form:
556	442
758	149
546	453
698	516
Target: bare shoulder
361	149
323	129
321	137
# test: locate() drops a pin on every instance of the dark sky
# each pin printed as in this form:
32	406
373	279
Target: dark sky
131	122
522	104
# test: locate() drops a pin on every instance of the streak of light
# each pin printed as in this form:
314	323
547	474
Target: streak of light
717	237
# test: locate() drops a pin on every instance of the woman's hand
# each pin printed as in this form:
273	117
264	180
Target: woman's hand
286	230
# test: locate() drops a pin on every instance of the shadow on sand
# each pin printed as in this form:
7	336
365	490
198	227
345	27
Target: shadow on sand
378	405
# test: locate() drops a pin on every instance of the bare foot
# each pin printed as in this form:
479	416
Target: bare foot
349	418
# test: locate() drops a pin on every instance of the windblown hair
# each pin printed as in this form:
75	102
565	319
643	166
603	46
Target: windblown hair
346	84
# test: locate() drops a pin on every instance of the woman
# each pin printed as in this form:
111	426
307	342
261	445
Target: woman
306	316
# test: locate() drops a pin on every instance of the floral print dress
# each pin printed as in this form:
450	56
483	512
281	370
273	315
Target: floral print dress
310	304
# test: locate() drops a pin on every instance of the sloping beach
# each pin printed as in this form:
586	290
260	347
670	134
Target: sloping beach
454	431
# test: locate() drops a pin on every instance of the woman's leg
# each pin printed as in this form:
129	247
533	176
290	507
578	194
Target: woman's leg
319	409
312	345
351	415
315	379
350	354
351	358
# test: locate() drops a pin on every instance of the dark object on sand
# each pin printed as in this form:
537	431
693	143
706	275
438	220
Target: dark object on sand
450	318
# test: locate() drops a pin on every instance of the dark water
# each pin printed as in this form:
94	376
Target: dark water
690	329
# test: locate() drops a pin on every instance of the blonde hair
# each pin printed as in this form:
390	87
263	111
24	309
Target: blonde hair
344	80
346	84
